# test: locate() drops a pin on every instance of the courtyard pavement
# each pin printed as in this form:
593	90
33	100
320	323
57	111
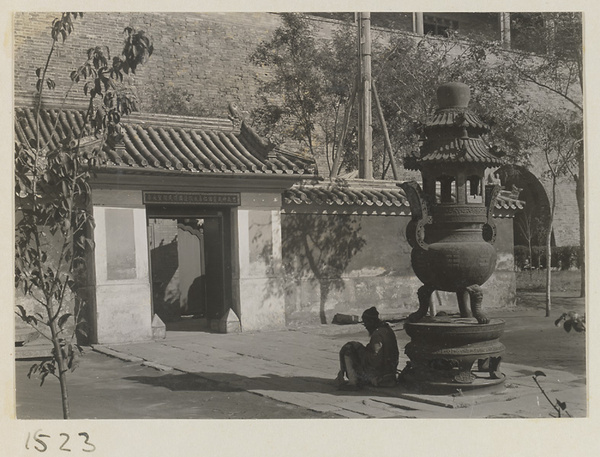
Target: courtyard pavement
298	366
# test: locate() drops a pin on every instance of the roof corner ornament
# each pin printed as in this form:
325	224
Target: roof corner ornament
235	115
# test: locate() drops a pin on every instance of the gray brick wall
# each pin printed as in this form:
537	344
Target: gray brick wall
205	54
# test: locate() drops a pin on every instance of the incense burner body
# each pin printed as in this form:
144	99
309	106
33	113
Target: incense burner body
458	259
452	230
452	234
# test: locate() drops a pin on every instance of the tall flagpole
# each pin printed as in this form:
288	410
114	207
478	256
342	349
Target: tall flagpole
365	149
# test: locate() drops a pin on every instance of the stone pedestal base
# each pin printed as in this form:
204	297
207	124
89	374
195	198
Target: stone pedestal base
159	330
229	323
451	355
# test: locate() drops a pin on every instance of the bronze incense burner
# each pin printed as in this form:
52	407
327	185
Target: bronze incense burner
452	233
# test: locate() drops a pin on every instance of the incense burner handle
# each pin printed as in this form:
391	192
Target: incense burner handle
489	228
415	230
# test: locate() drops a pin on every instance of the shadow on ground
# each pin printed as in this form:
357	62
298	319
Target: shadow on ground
229	382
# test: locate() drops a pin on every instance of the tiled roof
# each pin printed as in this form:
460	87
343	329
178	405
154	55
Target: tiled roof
155	143
506	201
456	118
385	195
452	135
333	194
454	150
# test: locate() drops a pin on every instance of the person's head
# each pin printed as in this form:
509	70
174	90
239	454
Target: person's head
370	318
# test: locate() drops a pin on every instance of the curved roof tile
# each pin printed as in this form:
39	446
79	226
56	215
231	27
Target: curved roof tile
151	143
450	117
455	150
348	195
344	195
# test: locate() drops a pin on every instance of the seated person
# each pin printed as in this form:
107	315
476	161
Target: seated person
374	364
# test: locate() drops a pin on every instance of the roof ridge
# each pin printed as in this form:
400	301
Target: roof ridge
355	183
176	120
139	117
160	143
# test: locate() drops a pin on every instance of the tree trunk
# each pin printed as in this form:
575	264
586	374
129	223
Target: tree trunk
549	250
530	257
580	194
62	369
549	270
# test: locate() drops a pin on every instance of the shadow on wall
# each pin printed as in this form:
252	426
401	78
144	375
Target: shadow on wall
165	262
321	248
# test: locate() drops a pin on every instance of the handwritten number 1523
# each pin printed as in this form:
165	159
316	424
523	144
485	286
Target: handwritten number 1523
40	444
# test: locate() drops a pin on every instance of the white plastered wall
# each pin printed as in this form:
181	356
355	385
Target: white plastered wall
123	300
258	281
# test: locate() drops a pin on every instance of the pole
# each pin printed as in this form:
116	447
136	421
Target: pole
386	136
505	29
418	19
366	140
337	162
359	93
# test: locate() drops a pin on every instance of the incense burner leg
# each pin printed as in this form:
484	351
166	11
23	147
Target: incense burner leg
476	295
424	294
490	365
462	295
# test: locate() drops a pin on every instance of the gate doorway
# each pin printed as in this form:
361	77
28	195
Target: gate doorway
190	266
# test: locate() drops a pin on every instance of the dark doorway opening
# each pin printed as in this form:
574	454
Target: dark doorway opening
190	265
531	224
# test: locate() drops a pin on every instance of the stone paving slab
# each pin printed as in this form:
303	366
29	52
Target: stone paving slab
299	367
367	408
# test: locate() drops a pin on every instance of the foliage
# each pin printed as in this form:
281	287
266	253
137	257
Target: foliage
178	101
559	152
563	257
558	63
571	320
532	227
520	95
559	406
323	247
309	84
556	71
413	69
54	219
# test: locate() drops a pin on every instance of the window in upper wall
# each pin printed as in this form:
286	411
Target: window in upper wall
438	26
527	32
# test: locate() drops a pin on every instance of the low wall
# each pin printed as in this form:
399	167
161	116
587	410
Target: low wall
347	263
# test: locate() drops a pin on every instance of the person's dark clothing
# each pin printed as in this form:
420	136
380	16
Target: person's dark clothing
376	363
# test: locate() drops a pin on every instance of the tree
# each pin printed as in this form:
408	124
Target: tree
309	88
309	85
560	152
410	71
557	70
322	246
505	88
52	173
532	228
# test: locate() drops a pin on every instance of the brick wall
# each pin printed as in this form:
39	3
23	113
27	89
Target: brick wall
566	218
205	54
